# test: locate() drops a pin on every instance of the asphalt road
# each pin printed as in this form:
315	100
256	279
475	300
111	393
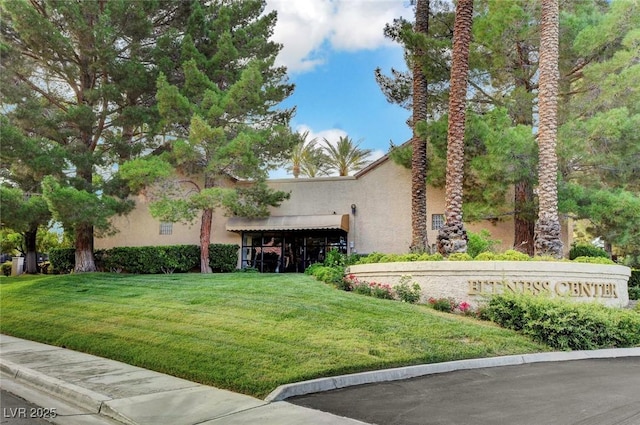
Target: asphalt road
579	392
17	411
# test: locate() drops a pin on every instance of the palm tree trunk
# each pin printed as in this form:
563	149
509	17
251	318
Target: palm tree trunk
419	239
452	237
547	240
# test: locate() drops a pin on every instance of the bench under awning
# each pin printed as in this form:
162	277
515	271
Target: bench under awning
289	222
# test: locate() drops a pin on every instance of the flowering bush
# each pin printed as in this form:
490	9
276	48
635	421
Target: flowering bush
407	293
349	282
362	288
381	290
465	308
447	305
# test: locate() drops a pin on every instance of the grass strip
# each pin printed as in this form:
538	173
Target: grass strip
243	332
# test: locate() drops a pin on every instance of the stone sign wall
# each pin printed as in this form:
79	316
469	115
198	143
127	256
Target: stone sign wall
474	281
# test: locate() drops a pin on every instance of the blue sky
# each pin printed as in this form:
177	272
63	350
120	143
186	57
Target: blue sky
331	49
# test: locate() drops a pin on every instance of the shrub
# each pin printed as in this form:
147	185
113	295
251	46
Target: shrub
480	242
381	290
335	258
63	260
513	255
361	288
374	257
634	285
482	313
459	256
486	256
312	269
409	257
465	308
152	259
330	275
407	292
431	257
389	258
586	250
565	325
6	268
593	260
443	304
223	257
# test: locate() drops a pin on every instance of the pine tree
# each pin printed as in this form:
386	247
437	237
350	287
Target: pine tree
73	73
220	120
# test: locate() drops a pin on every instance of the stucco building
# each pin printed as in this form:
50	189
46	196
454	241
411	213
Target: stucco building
369	211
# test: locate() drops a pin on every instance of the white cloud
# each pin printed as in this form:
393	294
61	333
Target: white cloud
332	134
306	28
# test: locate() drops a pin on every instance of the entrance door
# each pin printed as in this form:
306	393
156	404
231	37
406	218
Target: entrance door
278	252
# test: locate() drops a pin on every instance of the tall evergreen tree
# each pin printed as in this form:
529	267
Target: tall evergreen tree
599	145
220	119
505	55
66	75
24	161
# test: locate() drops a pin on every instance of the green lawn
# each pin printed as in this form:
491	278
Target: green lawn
240	331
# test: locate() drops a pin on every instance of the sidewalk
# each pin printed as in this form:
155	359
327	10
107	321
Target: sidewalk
137	396
106	391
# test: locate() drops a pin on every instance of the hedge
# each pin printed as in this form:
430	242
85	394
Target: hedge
586	250
62	260
634	280
223	258
151	259
565	325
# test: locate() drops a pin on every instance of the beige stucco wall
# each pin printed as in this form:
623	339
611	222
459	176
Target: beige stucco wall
382	221
474	281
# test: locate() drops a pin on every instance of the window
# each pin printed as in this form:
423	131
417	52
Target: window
289	251
166	228
437	221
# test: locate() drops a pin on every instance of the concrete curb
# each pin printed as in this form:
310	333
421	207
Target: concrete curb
74	394
332	383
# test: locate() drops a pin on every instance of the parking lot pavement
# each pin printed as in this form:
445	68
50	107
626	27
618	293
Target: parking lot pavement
578	392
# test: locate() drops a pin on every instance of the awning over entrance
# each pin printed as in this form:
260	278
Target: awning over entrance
289	222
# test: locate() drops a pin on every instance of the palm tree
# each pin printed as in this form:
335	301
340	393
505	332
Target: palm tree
453	236
547	233
307	158
419	240
346	156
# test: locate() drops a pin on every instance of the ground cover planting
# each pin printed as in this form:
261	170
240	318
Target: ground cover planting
245	332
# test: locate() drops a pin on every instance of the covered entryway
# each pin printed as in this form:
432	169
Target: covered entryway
289	243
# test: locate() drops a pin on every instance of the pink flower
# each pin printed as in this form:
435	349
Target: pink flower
464	306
